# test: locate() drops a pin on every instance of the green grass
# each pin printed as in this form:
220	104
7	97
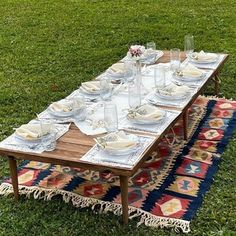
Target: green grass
48	47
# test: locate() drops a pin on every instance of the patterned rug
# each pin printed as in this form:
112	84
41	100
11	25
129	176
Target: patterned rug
165	192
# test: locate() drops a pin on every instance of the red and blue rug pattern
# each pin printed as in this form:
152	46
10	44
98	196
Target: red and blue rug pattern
168	189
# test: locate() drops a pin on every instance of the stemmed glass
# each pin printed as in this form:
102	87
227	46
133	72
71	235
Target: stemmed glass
188	44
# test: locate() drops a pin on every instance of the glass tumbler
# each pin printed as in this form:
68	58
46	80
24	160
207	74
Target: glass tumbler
49	141
159	77
151	45
79	108
105	88
129	70
175	59
134	95
110	117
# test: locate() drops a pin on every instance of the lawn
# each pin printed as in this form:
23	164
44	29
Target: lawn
48	47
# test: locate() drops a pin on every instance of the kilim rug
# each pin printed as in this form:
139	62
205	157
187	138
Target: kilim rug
165	192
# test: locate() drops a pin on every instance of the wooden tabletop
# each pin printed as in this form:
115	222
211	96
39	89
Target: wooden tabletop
74	144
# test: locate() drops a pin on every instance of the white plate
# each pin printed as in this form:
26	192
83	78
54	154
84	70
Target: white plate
172	97
120	152
84	91
205	61
71	113
189	79
148	122
35	140
65	114
114	75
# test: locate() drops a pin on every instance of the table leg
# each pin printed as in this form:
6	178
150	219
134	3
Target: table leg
124	198
185	124
14	176
217	84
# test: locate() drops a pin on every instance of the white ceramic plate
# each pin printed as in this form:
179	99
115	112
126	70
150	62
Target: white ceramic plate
172	96
216	57
148	122
189	79
120	152
84	91
35	140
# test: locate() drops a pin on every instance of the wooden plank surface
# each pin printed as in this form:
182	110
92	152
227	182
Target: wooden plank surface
74	144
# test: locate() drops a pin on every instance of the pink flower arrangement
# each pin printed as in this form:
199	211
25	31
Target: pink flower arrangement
136	51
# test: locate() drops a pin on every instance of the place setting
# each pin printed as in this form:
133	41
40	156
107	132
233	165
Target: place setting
145	118
65	110
190	76
200	59
171	94
116	147
36	136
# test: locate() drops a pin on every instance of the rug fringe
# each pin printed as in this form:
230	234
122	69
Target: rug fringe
99	205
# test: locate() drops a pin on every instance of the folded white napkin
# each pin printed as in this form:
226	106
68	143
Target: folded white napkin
203	56
117	68
191	71
119	141
174	90
32	131
91	86
146	112
61	107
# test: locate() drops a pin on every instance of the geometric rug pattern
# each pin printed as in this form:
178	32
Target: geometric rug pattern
165	192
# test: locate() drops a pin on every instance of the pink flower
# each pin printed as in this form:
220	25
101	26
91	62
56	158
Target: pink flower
136	51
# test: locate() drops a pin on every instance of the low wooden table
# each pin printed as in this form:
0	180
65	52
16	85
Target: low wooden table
74	144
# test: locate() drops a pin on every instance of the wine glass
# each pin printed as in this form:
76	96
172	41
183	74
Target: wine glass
188	44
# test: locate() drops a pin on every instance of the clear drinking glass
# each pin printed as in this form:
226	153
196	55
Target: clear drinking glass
105	88
160	77
79	108
129	70
151	45
110	117
49	142
134	95
188	44
174	59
